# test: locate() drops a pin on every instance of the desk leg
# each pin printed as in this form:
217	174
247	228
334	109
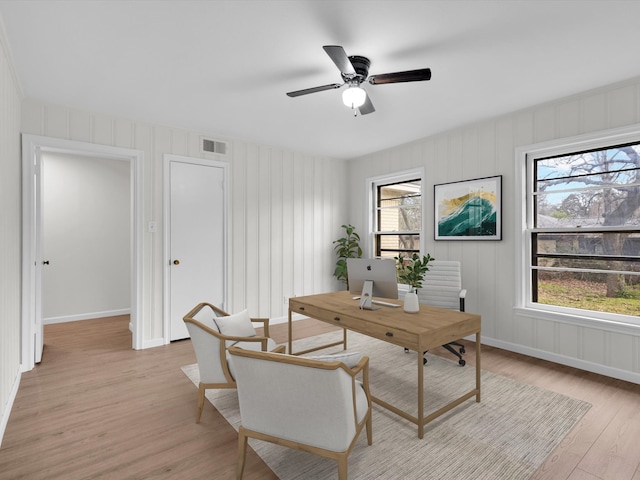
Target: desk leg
478	370
420	395
290	334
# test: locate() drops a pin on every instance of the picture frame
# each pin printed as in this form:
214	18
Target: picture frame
469	209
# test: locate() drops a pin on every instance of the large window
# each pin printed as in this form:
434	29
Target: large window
397	217
583	229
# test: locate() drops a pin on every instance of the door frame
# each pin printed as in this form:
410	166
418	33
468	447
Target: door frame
167	159
32	147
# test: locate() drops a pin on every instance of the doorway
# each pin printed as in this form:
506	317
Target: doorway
33	147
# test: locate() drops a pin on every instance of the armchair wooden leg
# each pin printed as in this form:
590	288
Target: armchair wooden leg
200	402
242	453
369	429
343	466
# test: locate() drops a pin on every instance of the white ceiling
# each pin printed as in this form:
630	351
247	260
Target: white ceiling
223	67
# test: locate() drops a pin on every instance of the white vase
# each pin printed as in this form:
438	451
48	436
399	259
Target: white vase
411	304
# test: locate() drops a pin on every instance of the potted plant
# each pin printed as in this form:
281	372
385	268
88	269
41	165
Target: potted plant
411	271
346	247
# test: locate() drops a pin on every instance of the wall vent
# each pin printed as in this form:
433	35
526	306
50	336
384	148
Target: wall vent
214	146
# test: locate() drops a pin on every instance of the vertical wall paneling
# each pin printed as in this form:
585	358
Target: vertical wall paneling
278	216
490	268
10	227
79	126
593	113
263	239
276	229
286	235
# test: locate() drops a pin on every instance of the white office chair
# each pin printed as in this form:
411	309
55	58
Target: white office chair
442	287
312	405
212	332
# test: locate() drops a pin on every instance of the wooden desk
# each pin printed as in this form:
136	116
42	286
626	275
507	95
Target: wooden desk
421	331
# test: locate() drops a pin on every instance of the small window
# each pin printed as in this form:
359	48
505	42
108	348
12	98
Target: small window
397	207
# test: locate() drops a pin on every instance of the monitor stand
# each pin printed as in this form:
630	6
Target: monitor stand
366	299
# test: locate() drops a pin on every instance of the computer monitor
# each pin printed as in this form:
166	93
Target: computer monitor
372	277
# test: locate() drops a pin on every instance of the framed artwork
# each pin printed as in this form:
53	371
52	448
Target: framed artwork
469	210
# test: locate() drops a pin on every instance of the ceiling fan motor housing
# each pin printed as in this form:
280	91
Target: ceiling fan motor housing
361	66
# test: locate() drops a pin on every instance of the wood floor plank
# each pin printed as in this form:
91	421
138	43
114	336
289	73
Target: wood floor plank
95	408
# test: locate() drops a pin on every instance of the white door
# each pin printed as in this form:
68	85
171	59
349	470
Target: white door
40	260
196	240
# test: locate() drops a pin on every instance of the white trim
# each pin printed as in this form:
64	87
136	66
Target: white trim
31	146
86	316
167	159
372	183
598	368
4	418
524	181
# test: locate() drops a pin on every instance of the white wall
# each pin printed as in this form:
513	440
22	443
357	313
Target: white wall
487	149
87	237
10	228
286	209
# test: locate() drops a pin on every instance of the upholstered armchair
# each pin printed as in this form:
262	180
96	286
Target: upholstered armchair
311	404
212	332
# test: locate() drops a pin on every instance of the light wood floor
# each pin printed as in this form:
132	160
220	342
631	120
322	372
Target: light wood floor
95	408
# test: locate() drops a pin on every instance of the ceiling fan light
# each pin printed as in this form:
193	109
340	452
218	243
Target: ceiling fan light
354	97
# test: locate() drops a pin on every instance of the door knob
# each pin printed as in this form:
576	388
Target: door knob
45	262
176	262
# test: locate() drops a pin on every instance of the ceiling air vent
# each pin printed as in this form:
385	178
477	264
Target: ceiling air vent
214	146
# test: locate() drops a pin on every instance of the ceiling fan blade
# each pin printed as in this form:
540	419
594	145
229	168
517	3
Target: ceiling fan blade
397	77
306	91
367	106
339	57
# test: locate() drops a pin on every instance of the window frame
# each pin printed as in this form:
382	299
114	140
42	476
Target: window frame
524	221
372	197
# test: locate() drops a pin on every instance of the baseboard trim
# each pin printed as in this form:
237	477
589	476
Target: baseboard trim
9	405
86	316
600	369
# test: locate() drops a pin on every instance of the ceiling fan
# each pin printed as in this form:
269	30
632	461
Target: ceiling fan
355	71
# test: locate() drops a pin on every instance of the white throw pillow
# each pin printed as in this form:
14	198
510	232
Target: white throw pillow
350	359
236	325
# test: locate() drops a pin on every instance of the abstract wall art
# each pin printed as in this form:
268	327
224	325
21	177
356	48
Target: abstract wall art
469	210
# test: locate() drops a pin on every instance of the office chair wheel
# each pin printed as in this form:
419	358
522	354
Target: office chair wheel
462	363
462	350
424	361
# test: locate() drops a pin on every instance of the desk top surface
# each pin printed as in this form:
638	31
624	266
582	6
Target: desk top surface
427	321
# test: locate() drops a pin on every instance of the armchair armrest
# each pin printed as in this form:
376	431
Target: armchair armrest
265	324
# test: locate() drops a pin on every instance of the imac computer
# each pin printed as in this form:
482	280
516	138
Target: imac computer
372	277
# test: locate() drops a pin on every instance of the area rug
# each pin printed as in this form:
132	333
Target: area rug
506	436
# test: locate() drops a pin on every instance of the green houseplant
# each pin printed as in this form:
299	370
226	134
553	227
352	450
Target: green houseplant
411	271
346	247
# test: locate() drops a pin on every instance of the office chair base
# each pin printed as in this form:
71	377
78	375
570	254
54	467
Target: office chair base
461	351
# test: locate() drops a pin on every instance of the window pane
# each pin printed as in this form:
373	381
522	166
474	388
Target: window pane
597	243
607	206
595	291
594	188
392	245
400	207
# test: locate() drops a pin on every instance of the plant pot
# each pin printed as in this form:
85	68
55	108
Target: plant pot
411	304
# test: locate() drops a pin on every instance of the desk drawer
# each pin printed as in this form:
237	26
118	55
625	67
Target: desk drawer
311	311
391	335
387	334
